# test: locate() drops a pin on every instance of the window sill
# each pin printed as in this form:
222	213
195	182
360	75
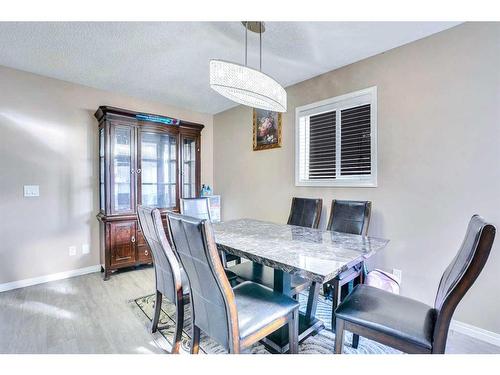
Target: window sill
338	184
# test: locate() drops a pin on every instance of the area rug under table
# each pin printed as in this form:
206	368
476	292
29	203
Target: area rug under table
321	343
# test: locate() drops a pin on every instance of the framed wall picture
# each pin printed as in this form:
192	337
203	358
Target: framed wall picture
266	129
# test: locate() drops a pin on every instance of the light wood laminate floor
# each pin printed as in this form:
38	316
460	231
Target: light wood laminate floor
85	314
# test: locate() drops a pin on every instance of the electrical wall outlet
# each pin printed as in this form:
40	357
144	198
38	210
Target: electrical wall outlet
31	190
85	248
72	251
398	274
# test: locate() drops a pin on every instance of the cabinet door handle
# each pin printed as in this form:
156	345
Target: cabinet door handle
132	171
138	171
146	253
132	239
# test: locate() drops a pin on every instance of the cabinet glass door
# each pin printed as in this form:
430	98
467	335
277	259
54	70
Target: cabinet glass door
122	184
158	169
189	156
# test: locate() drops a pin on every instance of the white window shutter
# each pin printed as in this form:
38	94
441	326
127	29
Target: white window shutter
336	141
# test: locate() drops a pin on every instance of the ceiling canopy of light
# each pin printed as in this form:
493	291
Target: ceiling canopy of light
245	85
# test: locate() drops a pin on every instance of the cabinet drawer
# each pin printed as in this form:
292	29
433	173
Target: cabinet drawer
143	251
144	254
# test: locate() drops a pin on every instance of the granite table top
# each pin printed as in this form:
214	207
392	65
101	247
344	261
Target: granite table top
314	254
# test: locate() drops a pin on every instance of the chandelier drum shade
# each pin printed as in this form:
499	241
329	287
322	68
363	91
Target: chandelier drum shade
245	85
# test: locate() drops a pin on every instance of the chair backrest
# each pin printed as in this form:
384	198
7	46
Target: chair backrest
461	275
166	265
212	298
196	207
305	212
350	216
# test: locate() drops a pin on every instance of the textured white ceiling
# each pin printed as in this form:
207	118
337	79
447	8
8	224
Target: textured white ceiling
168	61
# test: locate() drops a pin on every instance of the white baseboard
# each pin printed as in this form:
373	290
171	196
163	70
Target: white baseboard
47	278
475	332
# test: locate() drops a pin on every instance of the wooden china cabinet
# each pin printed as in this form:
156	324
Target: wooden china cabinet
143	159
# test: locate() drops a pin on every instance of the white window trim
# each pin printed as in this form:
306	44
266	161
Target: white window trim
334	103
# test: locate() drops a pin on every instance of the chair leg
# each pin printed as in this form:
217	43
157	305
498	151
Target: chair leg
361	278
326	290
195	340
335	300
355	341
293	333
156	314
344	290
179	324
339	336
223	258
357	281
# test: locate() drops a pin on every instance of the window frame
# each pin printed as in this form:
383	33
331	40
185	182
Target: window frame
338	103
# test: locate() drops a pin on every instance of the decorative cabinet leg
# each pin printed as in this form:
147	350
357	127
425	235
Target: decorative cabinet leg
106	274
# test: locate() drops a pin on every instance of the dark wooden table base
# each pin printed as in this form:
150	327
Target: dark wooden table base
277	342
308	324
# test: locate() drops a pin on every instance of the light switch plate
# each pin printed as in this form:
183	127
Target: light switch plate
31	190
85	248
72	251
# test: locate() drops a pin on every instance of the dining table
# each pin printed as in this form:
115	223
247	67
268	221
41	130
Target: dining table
313	254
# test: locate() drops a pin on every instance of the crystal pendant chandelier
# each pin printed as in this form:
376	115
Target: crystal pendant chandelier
245	85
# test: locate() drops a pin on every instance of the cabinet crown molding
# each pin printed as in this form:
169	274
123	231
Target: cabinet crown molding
105	110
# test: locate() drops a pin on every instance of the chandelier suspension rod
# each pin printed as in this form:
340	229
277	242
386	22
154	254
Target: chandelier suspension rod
260	42
246	42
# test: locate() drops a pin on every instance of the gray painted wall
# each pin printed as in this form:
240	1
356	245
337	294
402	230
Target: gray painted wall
438	157
48	136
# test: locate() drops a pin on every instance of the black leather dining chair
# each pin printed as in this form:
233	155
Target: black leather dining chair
235	318
200	208
350	216
171	280
409	325
304	212
347	217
